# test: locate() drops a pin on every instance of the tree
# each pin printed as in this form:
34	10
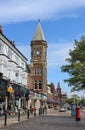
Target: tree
74	99
76	66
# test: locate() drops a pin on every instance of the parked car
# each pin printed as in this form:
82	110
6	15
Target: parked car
69	108
50	106
62	109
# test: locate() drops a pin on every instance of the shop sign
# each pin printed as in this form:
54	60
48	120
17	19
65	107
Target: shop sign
10	89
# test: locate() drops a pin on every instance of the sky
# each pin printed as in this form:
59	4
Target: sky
62	22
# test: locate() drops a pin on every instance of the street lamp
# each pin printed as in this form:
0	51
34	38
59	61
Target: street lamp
28	102
9	90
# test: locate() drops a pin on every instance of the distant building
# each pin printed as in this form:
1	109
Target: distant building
49	93
64	97
58	93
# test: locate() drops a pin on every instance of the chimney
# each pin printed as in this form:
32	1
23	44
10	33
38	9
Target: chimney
13	42
1	29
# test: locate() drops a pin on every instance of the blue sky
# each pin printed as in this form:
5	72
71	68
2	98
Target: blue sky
62	21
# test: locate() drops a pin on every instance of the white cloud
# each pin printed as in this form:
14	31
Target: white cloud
22	10
56	53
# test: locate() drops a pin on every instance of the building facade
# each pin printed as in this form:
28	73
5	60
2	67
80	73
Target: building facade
13	70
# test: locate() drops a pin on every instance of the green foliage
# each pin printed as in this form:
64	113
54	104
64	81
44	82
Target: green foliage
82	101
69	101
76	66
74	99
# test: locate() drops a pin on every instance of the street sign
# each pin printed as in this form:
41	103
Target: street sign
10	89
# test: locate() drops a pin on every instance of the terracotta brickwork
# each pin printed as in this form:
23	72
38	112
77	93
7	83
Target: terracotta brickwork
38	62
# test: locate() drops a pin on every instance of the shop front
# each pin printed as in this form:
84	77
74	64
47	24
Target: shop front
21	95
34	100
43	100
18	98
3	88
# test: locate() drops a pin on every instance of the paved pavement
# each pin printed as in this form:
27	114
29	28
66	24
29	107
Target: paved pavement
54	120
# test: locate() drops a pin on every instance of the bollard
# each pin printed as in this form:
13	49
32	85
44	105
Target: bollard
39	112
34	112
18	114
28	114
77	113
43	110
5	120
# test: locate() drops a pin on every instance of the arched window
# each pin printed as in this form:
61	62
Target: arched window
40	70
40	84
35	71
35	85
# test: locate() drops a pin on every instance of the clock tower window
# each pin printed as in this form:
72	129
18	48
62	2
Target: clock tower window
40	70
40	84
35	84
37	70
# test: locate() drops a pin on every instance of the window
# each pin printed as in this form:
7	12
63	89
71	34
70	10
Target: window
35	85
35	71
38	70
9	53
40	84
1	47
17	59
22	64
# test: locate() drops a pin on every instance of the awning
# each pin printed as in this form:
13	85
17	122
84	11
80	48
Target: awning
53	101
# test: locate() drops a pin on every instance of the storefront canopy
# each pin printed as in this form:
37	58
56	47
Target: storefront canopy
53	101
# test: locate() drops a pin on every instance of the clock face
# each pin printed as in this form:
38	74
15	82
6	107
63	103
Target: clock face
38	52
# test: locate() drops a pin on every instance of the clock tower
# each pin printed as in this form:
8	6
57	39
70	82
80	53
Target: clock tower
38	63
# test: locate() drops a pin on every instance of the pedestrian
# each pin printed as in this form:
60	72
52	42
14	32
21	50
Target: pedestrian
0	111
16	109
30	108
45	110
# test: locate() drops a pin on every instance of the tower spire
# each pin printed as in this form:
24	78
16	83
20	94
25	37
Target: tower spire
38	20
38	33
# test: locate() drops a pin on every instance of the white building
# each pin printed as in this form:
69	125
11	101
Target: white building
12	62
13	65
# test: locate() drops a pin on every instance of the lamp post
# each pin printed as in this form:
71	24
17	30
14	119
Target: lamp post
9	90
6	100
19	109
34	107
28	108
28	103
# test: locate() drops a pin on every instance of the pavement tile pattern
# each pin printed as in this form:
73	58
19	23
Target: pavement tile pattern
55	121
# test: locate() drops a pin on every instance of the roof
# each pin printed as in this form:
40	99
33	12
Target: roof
13	45
38	33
